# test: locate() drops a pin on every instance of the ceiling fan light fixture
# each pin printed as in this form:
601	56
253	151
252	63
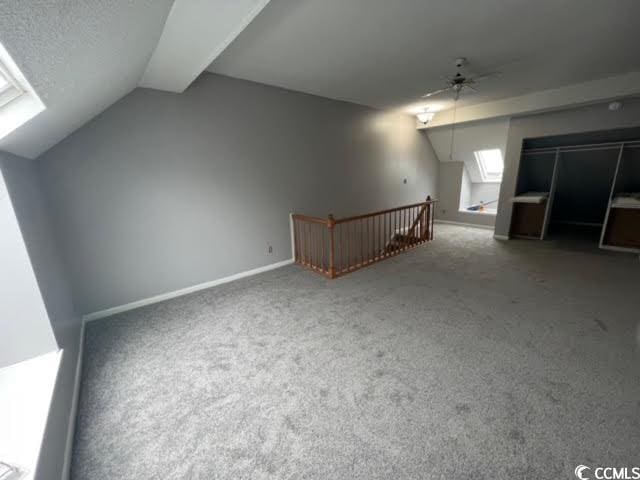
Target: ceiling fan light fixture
425	117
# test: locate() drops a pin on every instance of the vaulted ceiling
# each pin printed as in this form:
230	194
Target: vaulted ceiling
386	54
81	56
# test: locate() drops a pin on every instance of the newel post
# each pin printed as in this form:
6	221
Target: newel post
430	215
429	226
331	223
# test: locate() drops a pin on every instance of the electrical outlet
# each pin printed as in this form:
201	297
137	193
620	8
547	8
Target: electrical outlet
405	181
270	249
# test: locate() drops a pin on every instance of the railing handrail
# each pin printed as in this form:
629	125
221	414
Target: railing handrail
327	246
306	218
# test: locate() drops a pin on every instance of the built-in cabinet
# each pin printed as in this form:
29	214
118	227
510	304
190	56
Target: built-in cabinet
590	185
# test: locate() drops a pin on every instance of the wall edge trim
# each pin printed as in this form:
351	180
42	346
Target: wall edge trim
73	413
90	317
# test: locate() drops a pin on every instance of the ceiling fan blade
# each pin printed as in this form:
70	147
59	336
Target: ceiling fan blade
485	76
435	92
467	85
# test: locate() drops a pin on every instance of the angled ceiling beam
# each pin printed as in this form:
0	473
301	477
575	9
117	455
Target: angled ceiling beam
546	100
195	33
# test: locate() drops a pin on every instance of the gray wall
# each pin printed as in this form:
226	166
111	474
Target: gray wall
24	325
467	139
33	217
589	118
453	190
164	191
484	192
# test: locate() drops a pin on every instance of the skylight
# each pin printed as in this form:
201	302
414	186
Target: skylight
19	102
9	89
491	164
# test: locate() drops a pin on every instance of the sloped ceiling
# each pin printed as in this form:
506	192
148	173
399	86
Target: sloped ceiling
195	33
467	139
386	54
80	56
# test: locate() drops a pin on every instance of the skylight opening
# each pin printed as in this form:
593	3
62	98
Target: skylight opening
19	102
490	164
9	88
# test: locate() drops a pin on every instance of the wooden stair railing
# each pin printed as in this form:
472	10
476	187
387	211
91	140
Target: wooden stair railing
334	247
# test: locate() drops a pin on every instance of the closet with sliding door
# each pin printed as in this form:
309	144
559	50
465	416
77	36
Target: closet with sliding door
584	187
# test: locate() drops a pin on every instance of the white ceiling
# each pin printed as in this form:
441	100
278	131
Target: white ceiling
83	55
195	33
80	57
387	53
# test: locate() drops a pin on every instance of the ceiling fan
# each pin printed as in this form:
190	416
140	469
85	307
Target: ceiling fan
460	82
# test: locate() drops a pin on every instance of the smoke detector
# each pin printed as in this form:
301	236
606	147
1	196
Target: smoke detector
613	106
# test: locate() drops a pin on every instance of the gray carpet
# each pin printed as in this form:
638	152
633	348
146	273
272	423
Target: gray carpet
465	358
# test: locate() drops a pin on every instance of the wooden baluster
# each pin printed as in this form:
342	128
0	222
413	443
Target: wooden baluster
303	240
300	249
377	250
433	217
391	216
338	235
429	234
380	235
374	240
321	231
348	231
417	230
385	233
310	245
402	212
295	240
388	233
411	229
395	231
310	235
402	228
418	224
322	258
331	223
409	215
361	242
366	240
348	234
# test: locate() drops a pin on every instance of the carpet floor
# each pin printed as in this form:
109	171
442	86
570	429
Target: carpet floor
467	358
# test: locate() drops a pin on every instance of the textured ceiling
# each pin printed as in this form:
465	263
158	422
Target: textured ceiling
80	56
387	53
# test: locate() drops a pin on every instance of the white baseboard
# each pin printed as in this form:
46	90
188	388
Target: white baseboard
451	222
501	237
68	448
184	291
